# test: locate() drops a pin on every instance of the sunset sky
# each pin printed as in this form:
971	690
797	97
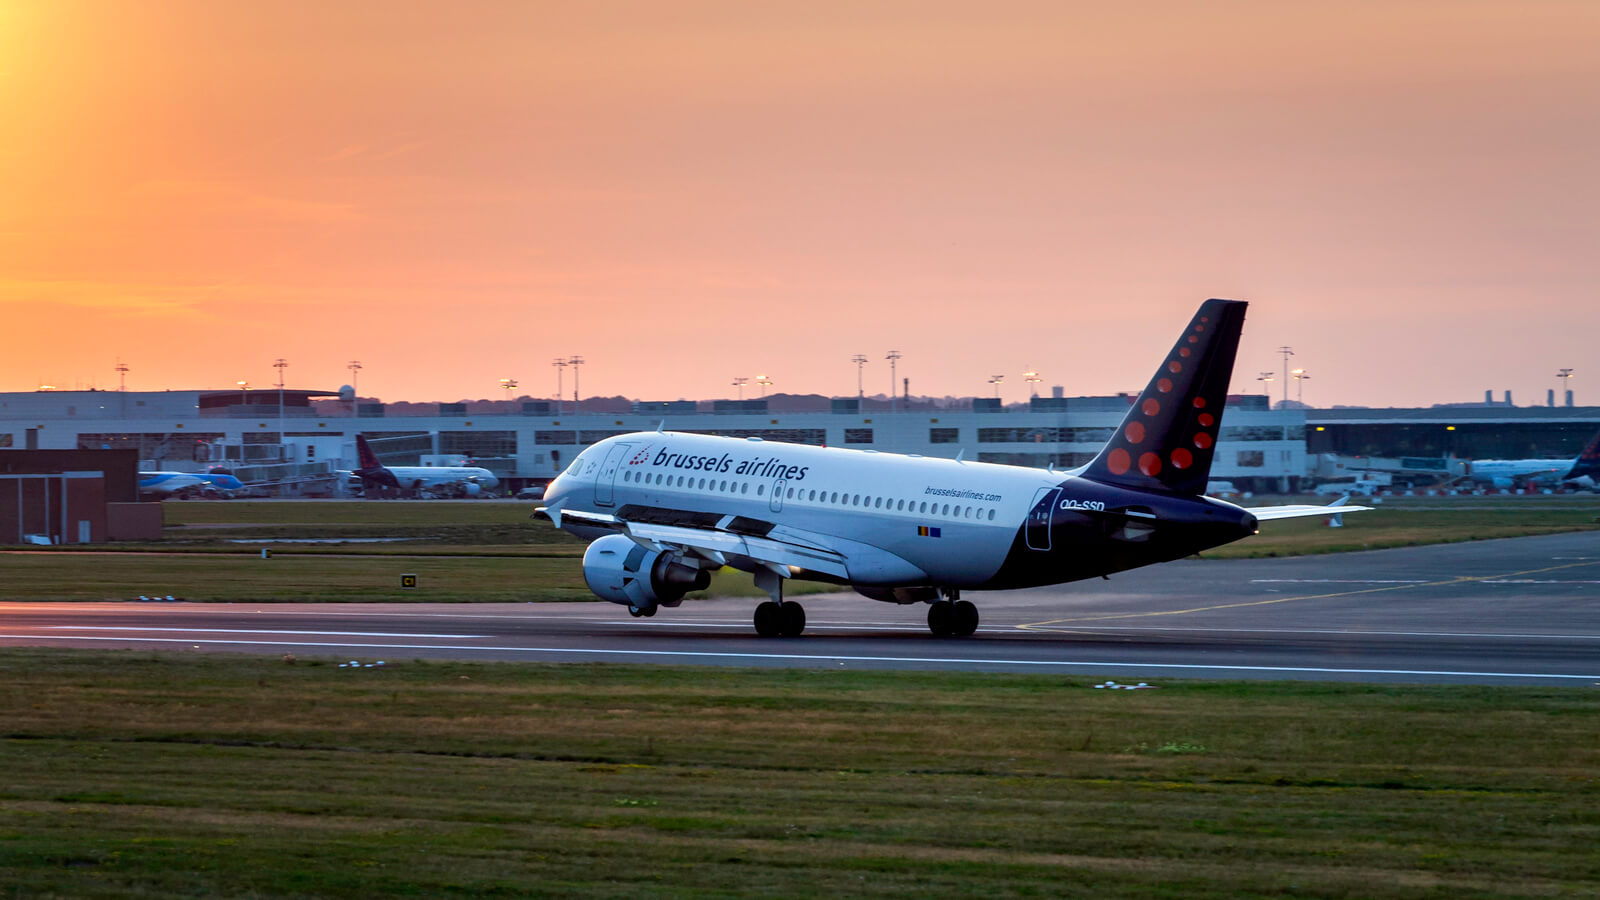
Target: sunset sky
684	192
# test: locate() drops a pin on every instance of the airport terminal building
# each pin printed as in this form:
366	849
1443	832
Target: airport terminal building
287	439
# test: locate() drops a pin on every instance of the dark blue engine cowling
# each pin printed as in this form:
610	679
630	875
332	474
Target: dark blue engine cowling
621	571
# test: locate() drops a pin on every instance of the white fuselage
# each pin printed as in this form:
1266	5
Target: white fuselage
1510	472
436	476
952	522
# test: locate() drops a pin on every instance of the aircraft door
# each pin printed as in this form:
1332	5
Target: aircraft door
1038	525
606	481
777	494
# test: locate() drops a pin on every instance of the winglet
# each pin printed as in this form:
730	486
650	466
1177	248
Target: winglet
662	427
961	455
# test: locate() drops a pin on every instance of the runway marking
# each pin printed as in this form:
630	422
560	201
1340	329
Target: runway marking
1463	579
704	654
1338	631
1338	581
1539	581
410	634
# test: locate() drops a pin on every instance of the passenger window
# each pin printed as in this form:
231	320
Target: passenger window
813	495
991	515
760	489
790	495
900	505
946	510
835	497
923	507
744	488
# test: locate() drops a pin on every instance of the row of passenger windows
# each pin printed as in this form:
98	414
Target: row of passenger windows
833	498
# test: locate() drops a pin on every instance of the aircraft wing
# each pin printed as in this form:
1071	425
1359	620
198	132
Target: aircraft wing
1269	513
712	543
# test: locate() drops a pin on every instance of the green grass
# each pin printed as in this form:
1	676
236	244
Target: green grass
482	551
315	577
133	774
1408	523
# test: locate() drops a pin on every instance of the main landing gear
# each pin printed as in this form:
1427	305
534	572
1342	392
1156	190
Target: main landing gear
637	611
786	619
777	617
951	616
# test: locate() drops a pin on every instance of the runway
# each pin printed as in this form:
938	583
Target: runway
1518	611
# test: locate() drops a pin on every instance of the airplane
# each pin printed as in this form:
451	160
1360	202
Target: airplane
663	509
167	484
1504	473
470	479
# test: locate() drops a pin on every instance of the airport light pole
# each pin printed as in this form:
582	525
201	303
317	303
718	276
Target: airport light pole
122	376
1566	379
765	383
577	401
1300	377
1033	379
1266	379
738	382
508	384
1287	352
995	380
561	367
893	356
355	387
280	365
861	393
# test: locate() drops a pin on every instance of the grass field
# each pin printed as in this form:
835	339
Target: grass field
133	774
479	551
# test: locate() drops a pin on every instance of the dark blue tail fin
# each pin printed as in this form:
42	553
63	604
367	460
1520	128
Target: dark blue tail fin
1587	463
1167	440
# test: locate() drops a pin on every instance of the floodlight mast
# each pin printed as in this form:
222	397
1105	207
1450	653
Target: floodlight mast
861	393
739	382
893	356
1287	352
561	367
577	402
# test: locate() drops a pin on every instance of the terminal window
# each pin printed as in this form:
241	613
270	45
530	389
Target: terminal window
858	435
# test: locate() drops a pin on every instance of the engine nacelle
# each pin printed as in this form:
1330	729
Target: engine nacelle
621	571
901	595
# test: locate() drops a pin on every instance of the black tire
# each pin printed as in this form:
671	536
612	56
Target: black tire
650	610
794	618
769	619
635	611
964	618
940	617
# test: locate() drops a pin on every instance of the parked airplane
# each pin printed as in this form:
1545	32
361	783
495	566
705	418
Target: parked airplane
167	484
471	479
1504	473
665	508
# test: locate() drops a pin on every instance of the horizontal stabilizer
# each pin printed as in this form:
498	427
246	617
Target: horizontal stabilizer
1337	507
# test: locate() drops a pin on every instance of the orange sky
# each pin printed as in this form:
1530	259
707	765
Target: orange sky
686	192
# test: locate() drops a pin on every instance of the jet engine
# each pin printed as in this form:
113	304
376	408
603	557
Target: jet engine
621	571
901	595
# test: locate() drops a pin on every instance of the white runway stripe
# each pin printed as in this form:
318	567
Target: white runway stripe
394	634
698	654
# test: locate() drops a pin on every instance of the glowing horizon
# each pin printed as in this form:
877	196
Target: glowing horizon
685	194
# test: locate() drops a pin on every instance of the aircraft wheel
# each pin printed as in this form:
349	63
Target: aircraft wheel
940	617
635	611
769	619
963	618
794	618
650	610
